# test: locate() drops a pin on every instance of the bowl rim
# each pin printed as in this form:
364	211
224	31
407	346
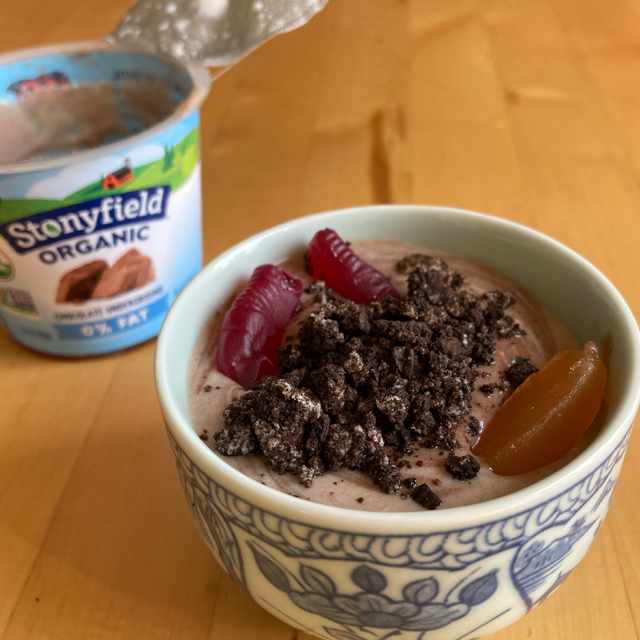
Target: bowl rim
198	74
284	505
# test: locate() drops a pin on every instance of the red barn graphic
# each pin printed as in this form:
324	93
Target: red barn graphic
118	178
23	88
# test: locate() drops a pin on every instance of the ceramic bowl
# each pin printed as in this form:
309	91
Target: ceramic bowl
456	573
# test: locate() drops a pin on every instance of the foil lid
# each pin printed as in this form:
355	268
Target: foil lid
214	32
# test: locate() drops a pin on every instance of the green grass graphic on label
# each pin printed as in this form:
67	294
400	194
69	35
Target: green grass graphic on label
6	268
174	168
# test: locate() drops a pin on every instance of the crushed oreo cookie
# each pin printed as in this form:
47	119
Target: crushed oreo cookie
425	497
473	428
462	467
410	483
363	379
488	389
519	370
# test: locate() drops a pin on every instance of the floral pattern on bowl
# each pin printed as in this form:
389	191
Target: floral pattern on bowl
377	586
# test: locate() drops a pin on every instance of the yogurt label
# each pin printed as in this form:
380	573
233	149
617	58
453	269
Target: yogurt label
52	227
93	254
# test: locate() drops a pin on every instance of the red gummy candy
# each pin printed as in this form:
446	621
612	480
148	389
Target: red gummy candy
331	260
252	329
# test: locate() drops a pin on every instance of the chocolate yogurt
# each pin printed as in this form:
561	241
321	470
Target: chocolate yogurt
527	337
100	207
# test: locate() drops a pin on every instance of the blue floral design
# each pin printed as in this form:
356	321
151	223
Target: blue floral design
213	526
370	607
530	552
537	560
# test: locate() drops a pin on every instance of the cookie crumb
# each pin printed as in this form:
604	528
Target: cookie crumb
462	467
473	428
425	497
519	370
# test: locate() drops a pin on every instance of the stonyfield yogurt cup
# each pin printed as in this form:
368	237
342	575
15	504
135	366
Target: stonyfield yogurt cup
100	204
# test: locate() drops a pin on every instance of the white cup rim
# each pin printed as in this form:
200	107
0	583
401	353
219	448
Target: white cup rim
281	504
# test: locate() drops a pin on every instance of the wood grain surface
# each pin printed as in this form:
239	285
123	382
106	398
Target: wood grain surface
524	109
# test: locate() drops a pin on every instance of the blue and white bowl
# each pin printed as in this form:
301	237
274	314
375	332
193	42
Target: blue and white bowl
457	573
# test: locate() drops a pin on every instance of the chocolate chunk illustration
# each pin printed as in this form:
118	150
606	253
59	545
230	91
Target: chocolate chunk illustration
130	271
78	284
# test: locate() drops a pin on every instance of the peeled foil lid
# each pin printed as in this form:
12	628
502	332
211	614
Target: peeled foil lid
213	32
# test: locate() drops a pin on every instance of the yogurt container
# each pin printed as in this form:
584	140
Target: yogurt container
100	194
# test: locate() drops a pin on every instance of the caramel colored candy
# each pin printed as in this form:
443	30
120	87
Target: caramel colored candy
547	415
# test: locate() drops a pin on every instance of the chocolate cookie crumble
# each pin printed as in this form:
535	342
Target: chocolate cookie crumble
519	370
462	467
362	381
473	428
488	389
425	497
410	483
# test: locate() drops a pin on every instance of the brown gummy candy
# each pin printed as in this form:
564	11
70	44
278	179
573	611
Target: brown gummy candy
547	415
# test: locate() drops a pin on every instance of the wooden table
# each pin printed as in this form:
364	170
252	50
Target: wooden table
525	109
